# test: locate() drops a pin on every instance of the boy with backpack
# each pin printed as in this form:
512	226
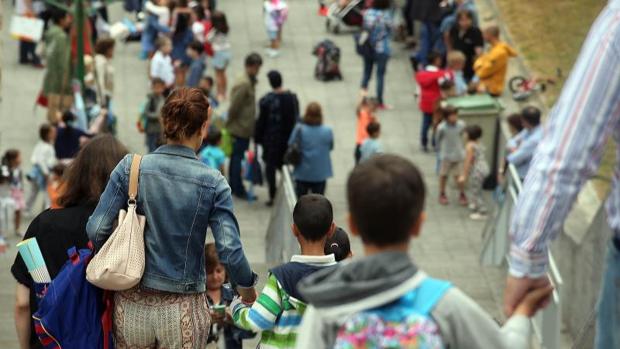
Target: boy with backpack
280	307
383	300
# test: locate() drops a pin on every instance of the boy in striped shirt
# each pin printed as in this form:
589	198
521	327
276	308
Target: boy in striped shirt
278	310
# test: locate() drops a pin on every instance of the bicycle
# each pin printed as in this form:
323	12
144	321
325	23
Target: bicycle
523	88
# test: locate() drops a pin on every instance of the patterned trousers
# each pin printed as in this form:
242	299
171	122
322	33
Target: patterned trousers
150	319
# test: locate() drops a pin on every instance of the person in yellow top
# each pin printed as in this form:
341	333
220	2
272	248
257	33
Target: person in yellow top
491	66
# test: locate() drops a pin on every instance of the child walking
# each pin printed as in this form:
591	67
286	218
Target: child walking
150	119
43	159
371	146
218	37
429	81
161	64
212	155
12	160
275	14
280	307
197	66
220	295
366	114
475	169
383	298
338	245
451	153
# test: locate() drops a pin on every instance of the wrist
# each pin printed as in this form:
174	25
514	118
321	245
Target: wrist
524	263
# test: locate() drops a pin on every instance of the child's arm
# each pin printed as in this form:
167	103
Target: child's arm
468	163
464	324
261	315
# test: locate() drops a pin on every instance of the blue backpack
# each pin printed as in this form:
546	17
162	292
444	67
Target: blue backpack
404	323
74	313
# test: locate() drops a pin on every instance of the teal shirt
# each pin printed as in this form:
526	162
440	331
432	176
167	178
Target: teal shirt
369	148
213	157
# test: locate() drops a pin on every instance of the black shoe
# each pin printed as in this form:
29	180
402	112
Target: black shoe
269	203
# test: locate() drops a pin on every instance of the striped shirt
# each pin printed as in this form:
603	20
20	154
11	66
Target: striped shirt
276	314
579	126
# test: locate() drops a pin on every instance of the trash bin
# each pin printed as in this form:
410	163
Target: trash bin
484	111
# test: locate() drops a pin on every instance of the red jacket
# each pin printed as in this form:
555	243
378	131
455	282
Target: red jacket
429	81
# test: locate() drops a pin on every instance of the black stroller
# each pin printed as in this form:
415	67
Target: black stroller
328	65
349	15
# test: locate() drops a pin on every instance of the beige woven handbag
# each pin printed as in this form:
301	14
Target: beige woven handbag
119	264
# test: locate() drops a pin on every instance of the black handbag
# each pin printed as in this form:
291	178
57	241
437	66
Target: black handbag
363	44
293	152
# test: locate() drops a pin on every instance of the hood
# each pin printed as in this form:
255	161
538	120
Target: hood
506	48
358	280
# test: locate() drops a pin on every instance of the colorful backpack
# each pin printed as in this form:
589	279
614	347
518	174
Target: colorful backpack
404	323
73	313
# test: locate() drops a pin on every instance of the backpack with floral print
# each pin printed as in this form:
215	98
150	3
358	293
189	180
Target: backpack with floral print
405	323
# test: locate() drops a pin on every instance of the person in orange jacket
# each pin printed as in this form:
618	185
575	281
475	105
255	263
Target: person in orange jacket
491	66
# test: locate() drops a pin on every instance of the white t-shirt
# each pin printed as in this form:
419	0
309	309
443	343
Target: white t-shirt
44	155
161	67
219	41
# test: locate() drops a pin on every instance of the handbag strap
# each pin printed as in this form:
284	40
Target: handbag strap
133	178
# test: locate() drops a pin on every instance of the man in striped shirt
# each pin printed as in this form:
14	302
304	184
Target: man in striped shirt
278	311
585	116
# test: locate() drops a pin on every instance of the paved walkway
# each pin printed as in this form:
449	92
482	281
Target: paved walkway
450	243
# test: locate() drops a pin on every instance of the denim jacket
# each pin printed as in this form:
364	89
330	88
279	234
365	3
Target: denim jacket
180	197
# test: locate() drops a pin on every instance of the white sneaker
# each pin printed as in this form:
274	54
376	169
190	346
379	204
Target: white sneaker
477	216
271	53
472	207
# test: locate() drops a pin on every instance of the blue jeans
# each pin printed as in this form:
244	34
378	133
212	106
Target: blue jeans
152	141
240	146
608	318
302	188
430	36
380	59
427	122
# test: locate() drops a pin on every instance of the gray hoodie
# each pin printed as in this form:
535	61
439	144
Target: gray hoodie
376	280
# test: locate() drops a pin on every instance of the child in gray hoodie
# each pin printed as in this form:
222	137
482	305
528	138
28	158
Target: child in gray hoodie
383	300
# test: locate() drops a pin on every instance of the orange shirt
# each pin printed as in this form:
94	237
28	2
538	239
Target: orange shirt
364	118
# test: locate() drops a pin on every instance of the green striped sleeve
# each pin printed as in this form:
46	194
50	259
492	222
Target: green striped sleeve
262	315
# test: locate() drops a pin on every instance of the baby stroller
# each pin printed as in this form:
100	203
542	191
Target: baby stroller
328	65
345	13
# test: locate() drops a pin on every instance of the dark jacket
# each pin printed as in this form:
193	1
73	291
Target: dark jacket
425	10
278	113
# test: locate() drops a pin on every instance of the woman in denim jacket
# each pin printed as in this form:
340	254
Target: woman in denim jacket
181	198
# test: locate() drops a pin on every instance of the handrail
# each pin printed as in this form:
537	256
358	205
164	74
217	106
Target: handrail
548	322
280	244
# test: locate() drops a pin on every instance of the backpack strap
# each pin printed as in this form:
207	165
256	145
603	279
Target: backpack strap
429	293
133	178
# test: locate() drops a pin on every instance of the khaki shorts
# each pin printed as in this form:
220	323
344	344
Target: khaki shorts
450	168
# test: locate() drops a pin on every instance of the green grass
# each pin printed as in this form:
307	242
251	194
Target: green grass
549	35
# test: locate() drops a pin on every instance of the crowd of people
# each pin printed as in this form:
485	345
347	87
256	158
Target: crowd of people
194	295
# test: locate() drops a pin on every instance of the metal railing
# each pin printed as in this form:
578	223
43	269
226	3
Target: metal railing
280	242
547	323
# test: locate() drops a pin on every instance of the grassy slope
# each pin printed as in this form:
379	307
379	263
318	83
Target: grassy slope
549	35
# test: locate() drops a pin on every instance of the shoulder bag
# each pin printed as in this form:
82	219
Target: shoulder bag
293	153
119	264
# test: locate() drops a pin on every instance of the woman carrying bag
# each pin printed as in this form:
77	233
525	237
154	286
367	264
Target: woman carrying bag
180	198
314	142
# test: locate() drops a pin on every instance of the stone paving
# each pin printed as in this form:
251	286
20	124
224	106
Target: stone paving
450	243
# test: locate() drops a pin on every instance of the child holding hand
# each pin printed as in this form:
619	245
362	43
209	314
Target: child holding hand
219	296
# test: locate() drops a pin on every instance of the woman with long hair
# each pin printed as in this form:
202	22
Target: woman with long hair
181	198
60	229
